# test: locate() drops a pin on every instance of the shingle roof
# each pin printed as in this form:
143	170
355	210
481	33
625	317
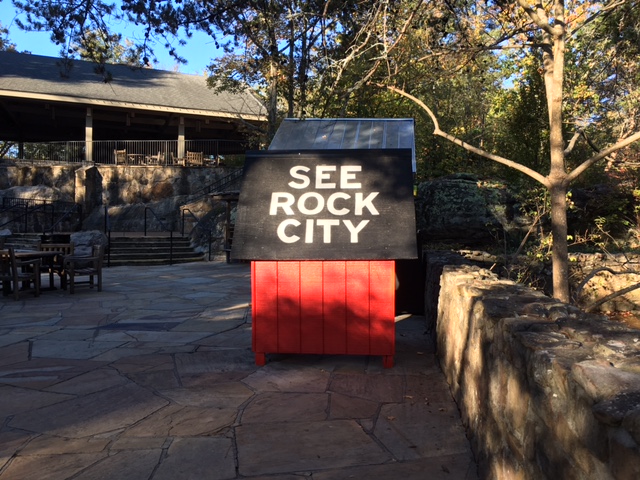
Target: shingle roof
46	78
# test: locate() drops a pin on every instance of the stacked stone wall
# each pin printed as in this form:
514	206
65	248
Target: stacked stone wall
125	189
114	185
545	390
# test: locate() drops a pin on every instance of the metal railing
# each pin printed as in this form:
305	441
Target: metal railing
107	231
208	230
215	151
26	212
72	208
218	186
161	222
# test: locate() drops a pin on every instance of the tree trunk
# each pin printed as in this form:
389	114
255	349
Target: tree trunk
302	71
291	69
553	61
272	102
559	249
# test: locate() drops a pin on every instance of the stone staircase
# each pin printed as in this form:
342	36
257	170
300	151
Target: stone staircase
128	248
134	250
24	241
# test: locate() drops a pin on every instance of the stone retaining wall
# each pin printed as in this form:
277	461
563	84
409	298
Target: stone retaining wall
109	183
545	390
125	189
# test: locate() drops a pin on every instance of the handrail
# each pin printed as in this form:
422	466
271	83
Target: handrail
31	206
107	232
199	224
17	201
160	220
8	209
76	208
218	185
73	152
164	228
25	215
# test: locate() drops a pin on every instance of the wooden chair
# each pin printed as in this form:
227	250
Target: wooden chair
120	157
13	271
85	266
155	159
57	265
174	160
195	159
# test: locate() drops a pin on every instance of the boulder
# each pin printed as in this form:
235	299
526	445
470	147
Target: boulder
84	241
35	192
464	209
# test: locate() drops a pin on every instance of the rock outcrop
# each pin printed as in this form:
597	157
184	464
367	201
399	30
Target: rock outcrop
464	209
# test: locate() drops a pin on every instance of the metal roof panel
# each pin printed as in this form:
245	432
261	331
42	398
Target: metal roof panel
345	133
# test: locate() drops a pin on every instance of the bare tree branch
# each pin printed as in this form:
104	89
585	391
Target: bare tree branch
611	296
602	154
572	142
387	50
537	14
478	151
601	11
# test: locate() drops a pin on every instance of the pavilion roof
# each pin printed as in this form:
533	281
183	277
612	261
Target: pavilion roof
50	99
56	80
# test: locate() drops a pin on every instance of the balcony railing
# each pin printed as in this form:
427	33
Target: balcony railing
137	152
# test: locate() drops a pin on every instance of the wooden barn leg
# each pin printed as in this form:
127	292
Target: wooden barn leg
387	361
261	359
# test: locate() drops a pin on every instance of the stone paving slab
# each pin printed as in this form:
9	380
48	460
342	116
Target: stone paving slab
154	379
305	446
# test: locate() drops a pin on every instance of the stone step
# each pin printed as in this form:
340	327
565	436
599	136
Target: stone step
152	255
27	241
133	262
134	249
155	250
149	240
151	250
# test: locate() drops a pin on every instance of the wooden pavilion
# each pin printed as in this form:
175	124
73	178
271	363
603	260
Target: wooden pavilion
45	99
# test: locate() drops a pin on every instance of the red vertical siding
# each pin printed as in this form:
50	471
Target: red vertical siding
288	302
357	301
382	307
334	305
330	307
264	306
311	306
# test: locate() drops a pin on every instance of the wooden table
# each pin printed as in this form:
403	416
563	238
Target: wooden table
48	259
135	159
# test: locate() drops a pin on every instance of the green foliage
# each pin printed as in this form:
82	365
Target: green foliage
102	48
314	58
5	43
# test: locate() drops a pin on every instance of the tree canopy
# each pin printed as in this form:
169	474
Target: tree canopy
548	89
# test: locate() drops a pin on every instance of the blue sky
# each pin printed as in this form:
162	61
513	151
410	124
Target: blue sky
199	51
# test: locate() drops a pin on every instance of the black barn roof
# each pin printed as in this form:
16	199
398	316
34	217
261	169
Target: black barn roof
345	133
